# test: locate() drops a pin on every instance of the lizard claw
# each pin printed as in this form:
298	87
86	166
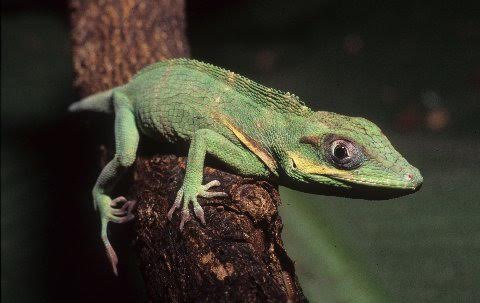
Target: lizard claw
124	213
188	196
176	204
185	217
128	206
118	200
199	213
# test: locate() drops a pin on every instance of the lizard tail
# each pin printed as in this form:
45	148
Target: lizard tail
99	102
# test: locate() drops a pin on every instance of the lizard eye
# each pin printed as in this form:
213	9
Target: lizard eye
340	151
344	154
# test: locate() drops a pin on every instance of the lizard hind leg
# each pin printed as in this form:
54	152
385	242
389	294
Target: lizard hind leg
118	210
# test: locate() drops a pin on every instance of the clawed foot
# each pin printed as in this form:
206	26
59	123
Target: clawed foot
111	212
124	213
189	195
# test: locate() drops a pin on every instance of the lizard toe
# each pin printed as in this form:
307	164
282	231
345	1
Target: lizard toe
122	219
185	218
213	194
199	213
176	204
128	206
210	184
118	200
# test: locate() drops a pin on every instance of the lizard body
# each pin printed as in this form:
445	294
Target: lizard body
255	130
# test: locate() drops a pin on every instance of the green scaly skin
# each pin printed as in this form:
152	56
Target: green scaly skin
257	131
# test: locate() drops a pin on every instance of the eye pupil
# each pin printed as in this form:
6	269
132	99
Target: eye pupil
340	151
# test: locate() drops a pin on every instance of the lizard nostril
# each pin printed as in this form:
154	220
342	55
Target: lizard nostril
409	177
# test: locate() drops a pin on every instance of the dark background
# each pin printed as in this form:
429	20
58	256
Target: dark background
413	67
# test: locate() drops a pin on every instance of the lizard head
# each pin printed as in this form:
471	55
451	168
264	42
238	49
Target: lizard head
351	157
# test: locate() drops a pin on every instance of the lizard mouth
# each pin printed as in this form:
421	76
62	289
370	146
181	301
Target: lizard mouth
388	184
377	190
355	189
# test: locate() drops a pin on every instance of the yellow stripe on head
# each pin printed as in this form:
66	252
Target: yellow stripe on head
308	167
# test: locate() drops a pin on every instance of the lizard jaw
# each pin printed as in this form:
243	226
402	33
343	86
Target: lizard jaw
412	184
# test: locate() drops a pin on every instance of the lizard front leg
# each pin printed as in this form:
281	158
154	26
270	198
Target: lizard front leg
205	141
126	143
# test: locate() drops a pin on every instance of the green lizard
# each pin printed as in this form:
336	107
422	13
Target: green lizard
257	131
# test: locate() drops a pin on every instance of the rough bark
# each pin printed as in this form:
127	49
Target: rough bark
239	254
112	39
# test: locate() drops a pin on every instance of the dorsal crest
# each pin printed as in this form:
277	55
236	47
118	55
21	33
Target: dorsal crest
281	101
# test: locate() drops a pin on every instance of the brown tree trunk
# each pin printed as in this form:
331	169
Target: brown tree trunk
239	254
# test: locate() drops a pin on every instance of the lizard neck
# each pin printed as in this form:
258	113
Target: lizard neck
285	139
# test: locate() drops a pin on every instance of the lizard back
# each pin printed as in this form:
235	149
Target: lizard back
276	99
175	98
